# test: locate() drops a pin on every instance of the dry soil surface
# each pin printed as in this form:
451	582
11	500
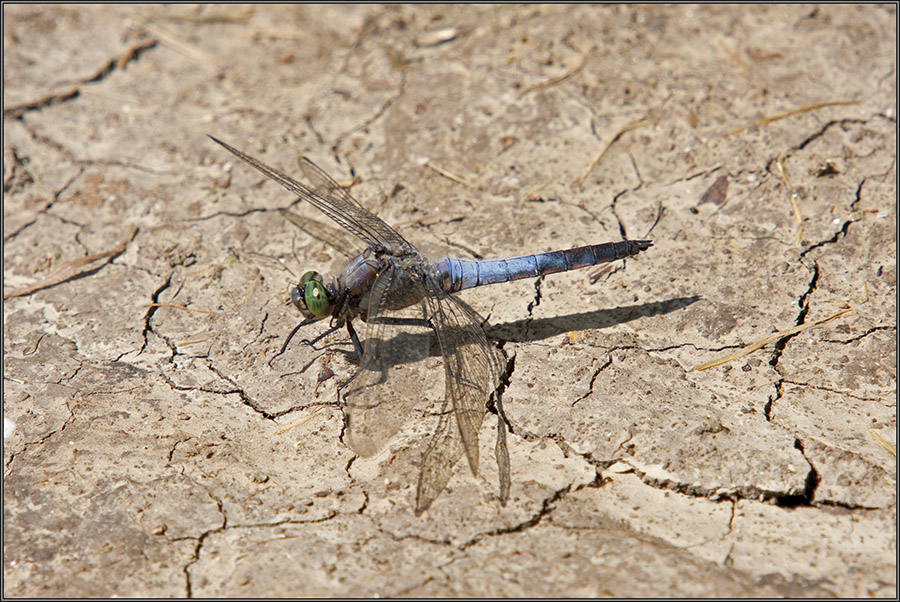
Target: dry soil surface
145	273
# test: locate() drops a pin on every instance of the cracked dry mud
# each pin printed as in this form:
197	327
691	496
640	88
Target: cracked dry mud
143	454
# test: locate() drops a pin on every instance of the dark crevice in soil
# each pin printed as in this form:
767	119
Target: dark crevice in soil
619	221
781	343
841	392
171	453
825	128
404	592
546	508
195	557
43	210
119	62
538	282
606	364
365	494
861	336
259	333
446	541
692	346
577	207
837	236
842	232
495	404
779	391
45	437
857	198
57	146
230	214
245	399
19	177
173	385
637	172
803	302
598	481
699	174
846	506
17	111
731	517
732	493
805	497
312	128
154	301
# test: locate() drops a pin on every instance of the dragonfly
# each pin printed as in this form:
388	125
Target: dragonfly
409	308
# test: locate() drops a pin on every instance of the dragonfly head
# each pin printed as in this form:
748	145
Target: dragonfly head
311	297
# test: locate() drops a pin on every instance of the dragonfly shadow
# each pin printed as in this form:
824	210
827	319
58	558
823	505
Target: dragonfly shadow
404	341
524	331
530	330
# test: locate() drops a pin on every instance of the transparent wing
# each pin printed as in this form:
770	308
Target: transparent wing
375	405
472	371
441	455
333	237
385	391
324	184
325	187
329	198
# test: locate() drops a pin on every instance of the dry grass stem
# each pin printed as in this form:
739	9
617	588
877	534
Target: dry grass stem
72	269
449	175
599	156
770	339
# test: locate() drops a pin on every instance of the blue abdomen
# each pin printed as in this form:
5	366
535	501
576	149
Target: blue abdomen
459	274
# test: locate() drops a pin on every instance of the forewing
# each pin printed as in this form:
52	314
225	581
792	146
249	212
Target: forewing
389	383
334	237
339	206
325	187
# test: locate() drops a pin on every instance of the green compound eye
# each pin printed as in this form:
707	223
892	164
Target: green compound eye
308	276
311	297
316	299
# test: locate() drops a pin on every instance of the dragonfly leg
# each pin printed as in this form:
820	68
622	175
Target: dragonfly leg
392	321
358	348
355	340
313	342
307	341
287	341
348	381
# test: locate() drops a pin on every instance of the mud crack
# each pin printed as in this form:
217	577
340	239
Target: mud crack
546	508
18	110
